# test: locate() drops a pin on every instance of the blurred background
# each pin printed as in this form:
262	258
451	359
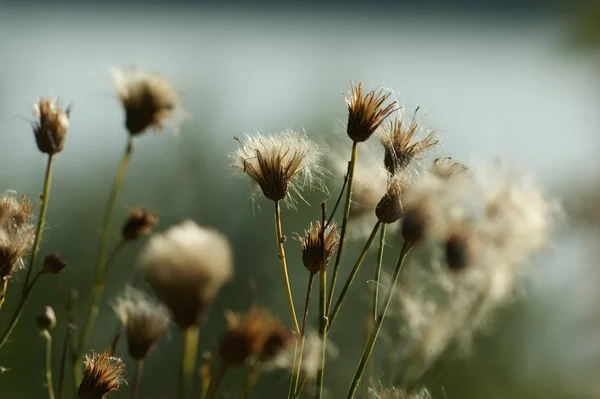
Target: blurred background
513	80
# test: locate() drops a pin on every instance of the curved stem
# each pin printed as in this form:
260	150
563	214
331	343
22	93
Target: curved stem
338	256
322	330
188	359
65	350
375	333
137	378
378	269
20	307
284	272
48	363
27	286
350	279
300	346
101	263
41	221
97	291
215	381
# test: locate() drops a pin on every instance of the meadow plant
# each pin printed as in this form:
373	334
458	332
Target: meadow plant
474	228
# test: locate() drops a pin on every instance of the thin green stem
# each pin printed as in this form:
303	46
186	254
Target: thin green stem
42	219
20	307
299	350
339	199
137	378
101	263
215	381
322	330
188	359
357	264
48	363
375	333
68	337
378	269
338	256
284	271
36	244
250	381
97	291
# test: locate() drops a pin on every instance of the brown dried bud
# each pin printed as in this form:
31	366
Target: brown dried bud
53	264
139	223
389	209
46	321
366	112
102	375
149	99
50	125
415	224
458	249
400	146
255	335
314	250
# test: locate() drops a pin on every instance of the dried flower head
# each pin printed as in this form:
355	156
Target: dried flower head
318	246
148	98
401	145
53	264
279	163
139	223
102	374
389	209
50	125
144	321
16	234
186	266
447	167
257	335
46	321
366	112
458	248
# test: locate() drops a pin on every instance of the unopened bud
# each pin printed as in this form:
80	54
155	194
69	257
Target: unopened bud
139	222
53	264
46	321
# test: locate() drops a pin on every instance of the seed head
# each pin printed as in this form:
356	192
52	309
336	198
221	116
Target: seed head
255	335
16	234
279	163
46	321
366	112
447	167
143	319
53	264
186	266
458	249
50	125
389	209
139	223
102	374
148	98
400	144
314	249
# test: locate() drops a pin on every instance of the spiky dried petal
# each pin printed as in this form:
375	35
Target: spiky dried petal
278	163
318	246
400	144
102	374
366	112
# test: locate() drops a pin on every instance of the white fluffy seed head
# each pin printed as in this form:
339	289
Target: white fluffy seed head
186	266
281	164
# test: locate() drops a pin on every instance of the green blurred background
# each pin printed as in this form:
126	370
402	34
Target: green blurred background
506	80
